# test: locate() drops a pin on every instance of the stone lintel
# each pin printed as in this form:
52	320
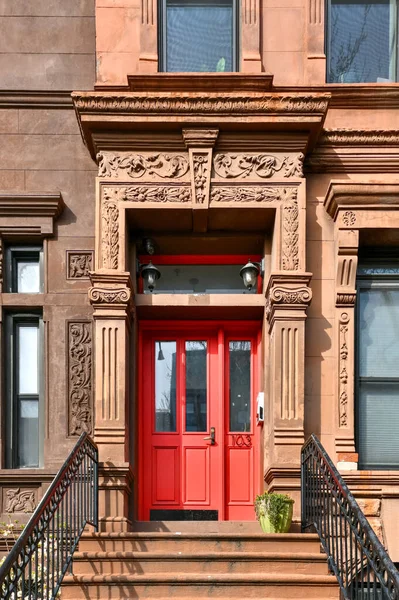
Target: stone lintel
351	196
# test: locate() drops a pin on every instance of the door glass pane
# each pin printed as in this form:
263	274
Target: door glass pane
240	385
362	41
378	332
165	386
199	35
28	276
196	386
28	359
28	433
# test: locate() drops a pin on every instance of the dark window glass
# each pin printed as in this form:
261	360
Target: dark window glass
24	270
199	35
196	386
377	367
361	41
240	385
23	356
165	386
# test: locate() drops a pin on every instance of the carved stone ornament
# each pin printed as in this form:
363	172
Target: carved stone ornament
250	194
201	175
349	218
221	103
109	296
290	235
156	194
233	166
343	371
80	378
135	166
346	299
20	501
285	295
79	264
110	228
352	137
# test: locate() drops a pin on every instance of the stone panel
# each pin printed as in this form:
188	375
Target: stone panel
287	67
12	180
275	28
46	8
44	122
47	71
8	121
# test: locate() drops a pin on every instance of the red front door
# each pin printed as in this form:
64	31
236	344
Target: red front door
198	436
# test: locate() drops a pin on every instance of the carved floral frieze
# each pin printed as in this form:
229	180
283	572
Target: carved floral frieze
79	264
264	166
343	369
80	377
110	228
250	194
156	194
20	501
99	295
366	137
136	166
201	173
290	232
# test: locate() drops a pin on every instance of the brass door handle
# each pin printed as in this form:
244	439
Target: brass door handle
211	437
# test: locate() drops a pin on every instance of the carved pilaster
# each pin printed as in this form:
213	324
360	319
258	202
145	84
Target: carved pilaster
148	59
316	64
200	144
80	403
250	20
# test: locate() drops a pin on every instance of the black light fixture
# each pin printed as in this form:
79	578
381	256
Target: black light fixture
250	273
160	353
150	275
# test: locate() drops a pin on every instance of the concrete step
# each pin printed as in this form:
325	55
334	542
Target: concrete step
145	563
166	542
198	526
196	586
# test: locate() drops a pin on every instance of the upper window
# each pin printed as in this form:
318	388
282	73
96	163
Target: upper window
24	270
362	41
198	35
377	365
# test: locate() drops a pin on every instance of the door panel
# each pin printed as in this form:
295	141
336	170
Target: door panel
197	406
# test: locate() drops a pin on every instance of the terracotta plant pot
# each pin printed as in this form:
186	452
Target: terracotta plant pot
283	523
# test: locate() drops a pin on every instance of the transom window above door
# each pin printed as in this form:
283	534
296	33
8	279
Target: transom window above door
198	35
362	41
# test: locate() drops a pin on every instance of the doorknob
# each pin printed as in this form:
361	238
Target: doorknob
211	437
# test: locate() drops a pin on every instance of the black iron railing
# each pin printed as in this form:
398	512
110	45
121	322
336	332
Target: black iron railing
43	552
355	554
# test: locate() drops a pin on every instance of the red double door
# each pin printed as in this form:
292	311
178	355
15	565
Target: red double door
199	446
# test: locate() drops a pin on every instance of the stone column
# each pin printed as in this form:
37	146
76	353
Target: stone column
288	296
148	58
316	58
111	297
250	28
347	242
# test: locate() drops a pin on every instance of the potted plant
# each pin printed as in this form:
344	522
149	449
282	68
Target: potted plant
274	512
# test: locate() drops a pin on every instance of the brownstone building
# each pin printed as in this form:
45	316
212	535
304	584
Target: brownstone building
193	136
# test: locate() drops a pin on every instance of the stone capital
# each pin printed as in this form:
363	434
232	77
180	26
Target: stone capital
287	296
110	292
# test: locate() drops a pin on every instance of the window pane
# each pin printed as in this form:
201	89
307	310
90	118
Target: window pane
28	433
362	41
378	343
201	279
199	35
28	276
240	386
165	386
28	359
378	425
196	386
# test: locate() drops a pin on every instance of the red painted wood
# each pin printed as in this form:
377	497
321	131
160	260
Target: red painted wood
181	469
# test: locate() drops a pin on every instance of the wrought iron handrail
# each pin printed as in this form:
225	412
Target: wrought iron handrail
42	554
355	554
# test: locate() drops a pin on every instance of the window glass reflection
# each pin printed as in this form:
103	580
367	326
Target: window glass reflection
240	385
165	386
196	386
28	277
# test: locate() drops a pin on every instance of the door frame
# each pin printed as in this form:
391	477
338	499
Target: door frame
222	330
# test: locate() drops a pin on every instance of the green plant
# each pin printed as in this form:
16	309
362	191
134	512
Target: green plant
272	505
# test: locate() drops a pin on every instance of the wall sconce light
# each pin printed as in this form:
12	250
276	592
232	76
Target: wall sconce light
250	273
160	353
150	275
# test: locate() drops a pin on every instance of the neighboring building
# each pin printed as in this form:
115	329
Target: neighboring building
285	153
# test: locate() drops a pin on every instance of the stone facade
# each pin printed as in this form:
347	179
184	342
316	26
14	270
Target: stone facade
320	169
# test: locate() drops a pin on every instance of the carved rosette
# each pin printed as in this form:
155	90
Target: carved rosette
255	166
290	231
136	166
20	501
343	369
80	378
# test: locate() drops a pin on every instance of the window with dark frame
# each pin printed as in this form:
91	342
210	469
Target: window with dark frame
24	269
198	36
361	41
23	355
377	376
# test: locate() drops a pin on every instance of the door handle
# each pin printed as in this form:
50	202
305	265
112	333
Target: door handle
211	437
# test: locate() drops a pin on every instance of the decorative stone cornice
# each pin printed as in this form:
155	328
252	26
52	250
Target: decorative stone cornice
287	293
31	99
197	138
354	195
359	137
29	213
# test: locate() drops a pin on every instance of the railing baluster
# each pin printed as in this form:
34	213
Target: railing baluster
37	563
356	556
